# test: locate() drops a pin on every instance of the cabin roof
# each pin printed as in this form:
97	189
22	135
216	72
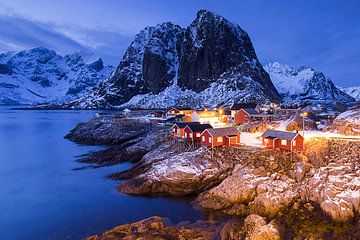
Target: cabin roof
238	106
184	124
251	111
226	131
279	134
199	127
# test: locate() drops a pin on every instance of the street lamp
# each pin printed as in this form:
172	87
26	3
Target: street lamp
305	114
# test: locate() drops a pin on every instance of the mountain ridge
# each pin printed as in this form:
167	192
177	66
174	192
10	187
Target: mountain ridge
40	75
304	85
195	63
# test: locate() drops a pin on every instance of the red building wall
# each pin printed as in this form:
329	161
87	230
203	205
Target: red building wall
206	141
277	143
299	142
180	134
232	140
241	117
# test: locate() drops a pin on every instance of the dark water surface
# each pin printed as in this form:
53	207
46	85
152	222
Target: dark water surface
42	198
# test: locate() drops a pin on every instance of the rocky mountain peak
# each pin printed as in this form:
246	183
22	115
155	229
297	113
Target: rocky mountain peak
185	66
41	75
304	84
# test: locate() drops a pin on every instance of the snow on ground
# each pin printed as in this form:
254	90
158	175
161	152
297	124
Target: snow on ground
254	139
251	139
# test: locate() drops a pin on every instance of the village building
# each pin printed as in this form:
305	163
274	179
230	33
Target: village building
178	129
282	140
245	115
157	114
213	117
237	106
217	137
193	132
179	111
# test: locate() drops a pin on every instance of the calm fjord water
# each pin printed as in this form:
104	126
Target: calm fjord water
41	197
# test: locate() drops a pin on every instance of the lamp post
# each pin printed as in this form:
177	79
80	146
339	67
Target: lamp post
304	115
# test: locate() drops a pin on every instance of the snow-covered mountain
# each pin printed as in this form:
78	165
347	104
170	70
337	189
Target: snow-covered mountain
210	62
304	85
41	75
352	91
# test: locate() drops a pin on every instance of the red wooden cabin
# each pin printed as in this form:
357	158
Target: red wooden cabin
178	129
217	137
245	115
193	131
282	140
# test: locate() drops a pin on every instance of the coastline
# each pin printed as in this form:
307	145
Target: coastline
162	169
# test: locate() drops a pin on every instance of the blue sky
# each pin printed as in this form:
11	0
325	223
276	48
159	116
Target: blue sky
323	34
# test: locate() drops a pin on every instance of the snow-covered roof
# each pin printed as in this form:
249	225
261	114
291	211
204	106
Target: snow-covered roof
226	131
279	134
251	111
184	124
199	127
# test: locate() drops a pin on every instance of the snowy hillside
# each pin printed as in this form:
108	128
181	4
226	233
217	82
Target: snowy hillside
304	85
210	62
41	75
352	91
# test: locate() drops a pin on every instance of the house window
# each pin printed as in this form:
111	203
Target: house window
203	138
266	141
186	135
283	142
198	135
294	143
219	139
210	139
178	131
174	129
190	135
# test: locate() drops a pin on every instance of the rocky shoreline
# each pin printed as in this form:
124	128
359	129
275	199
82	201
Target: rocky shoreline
313	195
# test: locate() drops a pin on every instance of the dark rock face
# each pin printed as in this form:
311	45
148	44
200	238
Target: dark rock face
97	65
155	72
169	57
5	69
211	46
148	65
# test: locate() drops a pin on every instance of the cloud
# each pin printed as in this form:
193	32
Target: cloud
19	33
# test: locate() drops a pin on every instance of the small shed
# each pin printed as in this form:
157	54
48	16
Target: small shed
217	137
282	140
193	132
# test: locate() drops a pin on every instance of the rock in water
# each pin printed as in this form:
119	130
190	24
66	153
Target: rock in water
210	62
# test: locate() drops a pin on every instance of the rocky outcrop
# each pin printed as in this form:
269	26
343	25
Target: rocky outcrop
347	123
210	62
128	139
154	228
253	228
170	171
256	228
254	188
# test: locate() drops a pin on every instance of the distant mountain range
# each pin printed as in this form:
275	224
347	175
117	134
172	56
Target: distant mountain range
304	85
352	91
41	75
209	63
